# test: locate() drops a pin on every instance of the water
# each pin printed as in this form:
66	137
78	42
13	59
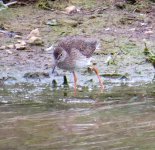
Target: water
42	118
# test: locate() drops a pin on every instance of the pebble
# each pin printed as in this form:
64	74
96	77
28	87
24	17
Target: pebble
10	46
17	37
21	45
71	9
8	51
33	33
2	47
35	40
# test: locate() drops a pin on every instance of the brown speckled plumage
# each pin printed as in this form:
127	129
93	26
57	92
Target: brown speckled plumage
76	47
74	52
84	44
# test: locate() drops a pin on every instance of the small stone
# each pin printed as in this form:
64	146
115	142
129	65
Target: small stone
148	32
52	22
8	51
107	29
17	37
35	40
143	24
21	45
2	47
132	29
23	42
71	9
49	48
33	33
10	46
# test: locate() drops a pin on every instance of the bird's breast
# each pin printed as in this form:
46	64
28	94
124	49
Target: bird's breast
83	63
66	65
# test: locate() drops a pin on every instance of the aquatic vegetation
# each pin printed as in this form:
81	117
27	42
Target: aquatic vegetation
149	55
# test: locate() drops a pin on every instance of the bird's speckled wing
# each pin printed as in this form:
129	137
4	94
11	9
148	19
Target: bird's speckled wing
84	44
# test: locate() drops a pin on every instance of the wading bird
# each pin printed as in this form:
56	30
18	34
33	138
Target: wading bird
73	53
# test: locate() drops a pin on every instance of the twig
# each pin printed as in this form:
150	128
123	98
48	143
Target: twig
11	3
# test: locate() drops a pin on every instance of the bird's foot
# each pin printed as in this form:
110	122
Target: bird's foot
99	77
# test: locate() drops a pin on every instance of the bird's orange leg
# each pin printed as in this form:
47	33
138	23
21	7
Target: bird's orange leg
75	82
98	76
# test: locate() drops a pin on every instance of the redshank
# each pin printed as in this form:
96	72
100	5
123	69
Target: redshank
73	53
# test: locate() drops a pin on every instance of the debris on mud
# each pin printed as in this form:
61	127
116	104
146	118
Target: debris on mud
34	32
116	76
36	75
21	45
34	38
71	9
5	6
2	47
52	22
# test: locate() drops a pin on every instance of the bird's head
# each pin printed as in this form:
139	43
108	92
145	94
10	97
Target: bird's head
59	56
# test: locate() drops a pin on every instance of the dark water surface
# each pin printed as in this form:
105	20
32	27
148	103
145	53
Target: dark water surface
40	118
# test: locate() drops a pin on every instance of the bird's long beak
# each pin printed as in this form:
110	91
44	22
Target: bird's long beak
53	68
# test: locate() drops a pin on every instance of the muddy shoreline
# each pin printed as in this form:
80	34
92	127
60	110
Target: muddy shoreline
122	34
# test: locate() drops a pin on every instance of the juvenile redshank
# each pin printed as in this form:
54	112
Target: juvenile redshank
73	53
